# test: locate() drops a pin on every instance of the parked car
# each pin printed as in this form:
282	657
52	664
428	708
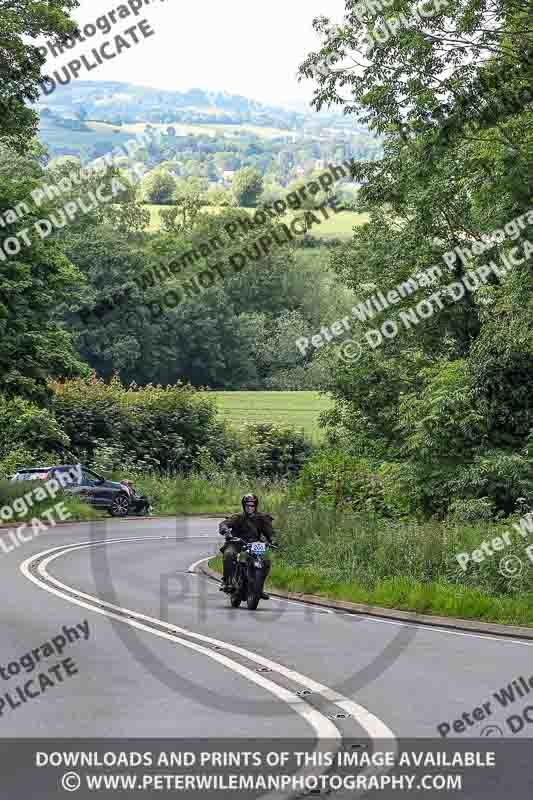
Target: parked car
89	486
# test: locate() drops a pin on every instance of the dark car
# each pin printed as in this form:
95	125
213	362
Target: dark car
85	484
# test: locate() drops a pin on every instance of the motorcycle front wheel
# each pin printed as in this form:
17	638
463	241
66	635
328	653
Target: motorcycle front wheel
256	582
237	595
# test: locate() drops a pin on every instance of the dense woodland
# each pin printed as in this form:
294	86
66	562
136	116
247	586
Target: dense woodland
438	420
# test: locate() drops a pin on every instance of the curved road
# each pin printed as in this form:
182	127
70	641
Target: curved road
167	657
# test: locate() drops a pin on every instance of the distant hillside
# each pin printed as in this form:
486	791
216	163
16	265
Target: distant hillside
115	102
122	103
209	135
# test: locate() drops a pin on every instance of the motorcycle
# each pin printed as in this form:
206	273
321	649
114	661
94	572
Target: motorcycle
250	574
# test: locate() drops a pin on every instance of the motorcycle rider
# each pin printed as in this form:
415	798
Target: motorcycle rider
249	526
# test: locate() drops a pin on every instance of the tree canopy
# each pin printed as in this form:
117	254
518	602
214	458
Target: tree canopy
21	63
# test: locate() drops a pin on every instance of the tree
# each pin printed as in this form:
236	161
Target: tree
159	188
183	215
444	403
21	63
105	317
191	186
469	62
247	187
272	191
36	285
219	197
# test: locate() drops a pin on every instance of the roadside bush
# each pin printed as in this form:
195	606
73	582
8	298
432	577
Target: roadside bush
498	474
112	457
169	430
495	478
21	457
468	510
152	428
336	478
402	495
22	423
488	486
270	451
28	435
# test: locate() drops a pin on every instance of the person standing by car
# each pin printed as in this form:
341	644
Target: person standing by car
140	504
249	526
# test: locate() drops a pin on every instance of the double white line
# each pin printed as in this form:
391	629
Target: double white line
35	569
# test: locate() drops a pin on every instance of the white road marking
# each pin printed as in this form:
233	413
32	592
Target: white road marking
427	627
373	726
192	568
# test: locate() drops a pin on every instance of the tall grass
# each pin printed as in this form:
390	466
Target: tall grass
397	565
342	547
218	494
404	566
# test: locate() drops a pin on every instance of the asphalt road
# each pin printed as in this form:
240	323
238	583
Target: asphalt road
209	670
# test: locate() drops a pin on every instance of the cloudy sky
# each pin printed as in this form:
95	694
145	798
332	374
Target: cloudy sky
242	47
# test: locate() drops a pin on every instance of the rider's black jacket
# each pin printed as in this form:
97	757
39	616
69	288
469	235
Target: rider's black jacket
249	527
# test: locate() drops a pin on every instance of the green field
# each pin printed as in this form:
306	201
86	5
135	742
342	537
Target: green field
296	409
185	129
81	143
339	226
155	216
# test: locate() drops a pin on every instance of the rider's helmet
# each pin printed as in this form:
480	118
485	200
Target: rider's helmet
250	504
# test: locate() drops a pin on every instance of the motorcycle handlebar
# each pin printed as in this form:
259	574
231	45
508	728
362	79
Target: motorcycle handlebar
242	541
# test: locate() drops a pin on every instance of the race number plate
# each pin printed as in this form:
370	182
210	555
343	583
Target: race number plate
258	548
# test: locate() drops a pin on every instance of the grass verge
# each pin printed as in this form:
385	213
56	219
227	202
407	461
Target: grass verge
404	594
170	496
218	494
405	565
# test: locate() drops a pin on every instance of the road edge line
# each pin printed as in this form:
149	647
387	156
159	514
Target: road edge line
452	623
7	526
